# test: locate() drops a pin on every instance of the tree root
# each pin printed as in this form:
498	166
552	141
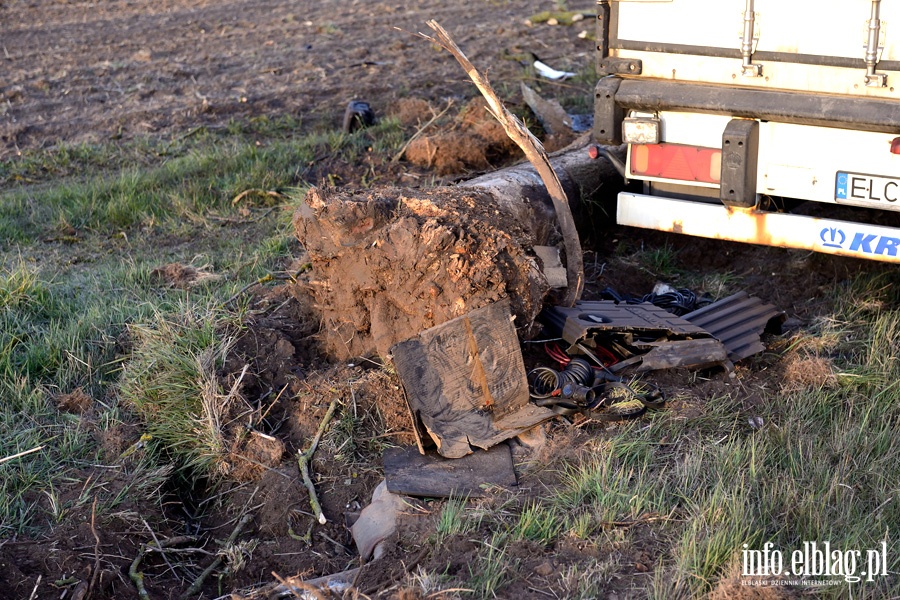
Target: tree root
198	583
304	458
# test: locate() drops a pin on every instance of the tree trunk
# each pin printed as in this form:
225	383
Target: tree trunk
389	263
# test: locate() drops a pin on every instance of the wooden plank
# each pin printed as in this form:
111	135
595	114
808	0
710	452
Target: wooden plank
465	380
432	476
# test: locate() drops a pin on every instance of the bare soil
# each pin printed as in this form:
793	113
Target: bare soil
84	71
92	71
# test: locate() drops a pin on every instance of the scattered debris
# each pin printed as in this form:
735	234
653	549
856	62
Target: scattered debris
545	70
676	301
357	116
550	113
598	395
643	336
409	472
377	522
737	321
465	381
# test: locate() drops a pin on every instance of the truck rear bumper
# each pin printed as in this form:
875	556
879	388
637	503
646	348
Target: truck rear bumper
713	220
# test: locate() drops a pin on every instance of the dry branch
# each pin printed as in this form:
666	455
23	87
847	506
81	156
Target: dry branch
3	460
96	573
305	458
535	154
136	576
198	583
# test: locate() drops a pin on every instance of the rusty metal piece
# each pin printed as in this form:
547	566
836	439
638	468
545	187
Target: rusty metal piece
737	321
647	337
589	317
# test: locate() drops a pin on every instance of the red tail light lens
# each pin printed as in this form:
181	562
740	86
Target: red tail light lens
676	161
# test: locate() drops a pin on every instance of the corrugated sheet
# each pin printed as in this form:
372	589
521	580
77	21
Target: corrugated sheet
593	316
737	321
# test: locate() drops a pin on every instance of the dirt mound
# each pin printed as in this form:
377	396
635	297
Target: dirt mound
474	141
412	112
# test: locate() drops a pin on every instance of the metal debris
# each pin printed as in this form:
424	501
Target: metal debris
737	321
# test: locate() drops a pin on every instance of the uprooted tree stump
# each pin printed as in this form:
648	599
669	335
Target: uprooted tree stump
391	262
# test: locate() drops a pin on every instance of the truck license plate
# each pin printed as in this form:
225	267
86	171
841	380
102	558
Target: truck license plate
876	191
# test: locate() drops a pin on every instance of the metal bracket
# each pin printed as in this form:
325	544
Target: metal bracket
748	67
876	80
873	48
607	115
620	66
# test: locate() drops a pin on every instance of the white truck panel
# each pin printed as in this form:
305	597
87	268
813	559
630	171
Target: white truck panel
829	28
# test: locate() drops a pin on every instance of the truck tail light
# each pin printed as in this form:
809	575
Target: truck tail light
895	146
676	161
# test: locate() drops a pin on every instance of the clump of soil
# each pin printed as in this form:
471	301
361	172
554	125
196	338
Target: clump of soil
475	141
412	112
177	275
253	455
76	402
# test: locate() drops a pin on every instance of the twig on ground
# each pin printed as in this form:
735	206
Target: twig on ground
421	130
34	591
245	193
156	541
3	460
198	583
136	576
535	154
294	586
96	574
266	279
304	458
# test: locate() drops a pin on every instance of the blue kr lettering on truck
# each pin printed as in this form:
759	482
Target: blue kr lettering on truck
864	243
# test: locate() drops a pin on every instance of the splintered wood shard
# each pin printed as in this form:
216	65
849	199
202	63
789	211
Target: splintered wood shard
536	155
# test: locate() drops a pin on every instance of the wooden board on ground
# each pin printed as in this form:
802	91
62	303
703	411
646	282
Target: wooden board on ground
465	381
432	476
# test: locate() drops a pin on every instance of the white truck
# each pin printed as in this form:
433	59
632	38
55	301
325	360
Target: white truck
738	112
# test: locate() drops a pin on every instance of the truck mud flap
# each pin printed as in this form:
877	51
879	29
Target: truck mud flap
715	221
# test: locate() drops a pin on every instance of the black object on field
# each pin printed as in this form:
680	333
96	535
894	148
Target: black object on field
358	114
